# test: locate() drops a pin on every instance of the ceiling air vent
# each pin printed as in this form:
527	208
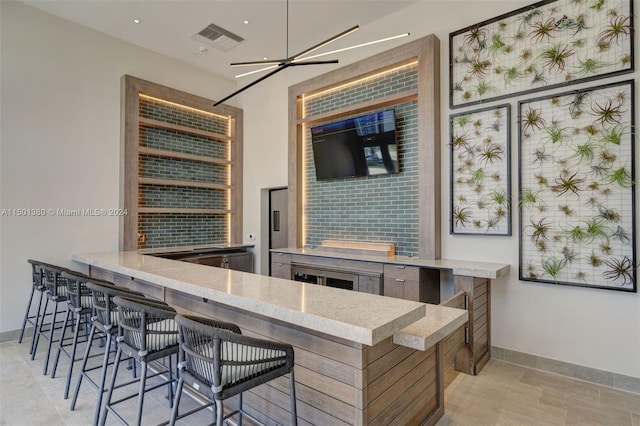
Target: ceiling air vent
217	37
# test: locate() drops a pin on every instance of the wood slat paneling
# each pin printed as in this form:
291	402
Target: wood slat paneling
384	384
406	375
451	346
425	390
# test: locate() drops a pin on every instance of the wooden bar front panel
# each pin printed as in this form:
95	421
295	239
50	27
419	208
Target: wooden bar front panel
338	382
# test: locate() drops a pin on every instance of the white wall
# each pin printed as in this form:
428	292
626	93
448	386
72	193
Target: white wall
589	327
60	137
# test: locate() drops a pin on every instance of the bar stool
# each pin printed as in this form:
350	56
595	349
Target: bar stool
56	291
104	324
79	308
37	284
147	332
217	361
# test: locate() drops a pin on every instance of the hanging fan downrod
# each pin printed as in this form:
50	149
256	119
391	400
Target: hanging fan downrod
278	65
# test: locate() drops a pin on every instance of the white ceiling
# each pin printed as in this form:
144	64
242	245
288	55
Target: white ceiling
167	25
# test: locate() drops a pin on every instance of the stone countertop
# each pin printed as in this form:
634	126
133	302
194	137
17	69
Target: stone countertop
459	267
438	323
359	317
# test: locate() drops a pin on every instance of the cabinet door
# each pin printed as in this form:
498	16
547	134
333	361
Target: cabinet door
393	287
281	270
412	290
369	284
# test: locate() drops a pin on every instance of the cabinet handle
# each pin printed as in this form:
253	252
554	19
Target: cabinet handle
279	254
280	264
400	267
400	280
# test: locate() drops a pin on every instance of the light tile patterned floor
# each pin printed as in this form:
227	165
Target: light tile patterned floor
29	398
508	394
503	394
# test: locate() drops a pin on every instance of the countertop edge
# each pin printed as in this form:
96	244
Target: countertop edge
423	334
332	327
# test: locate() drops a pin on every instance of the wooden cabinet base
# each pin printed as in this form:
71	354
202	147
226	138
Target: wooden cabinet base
478	333
338	382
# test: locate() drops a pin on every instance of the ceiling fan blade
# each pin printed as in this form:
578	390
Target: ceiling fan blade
327	41
249	63
257	71
280	68
303	62
354	47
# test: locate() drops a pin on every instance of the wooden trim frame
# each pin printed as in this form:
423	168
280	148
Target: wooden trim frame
130	90
426	51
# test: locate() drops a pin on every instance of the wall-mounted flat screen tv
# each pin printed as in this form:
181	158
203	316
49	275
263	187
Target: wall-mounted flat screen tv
359	146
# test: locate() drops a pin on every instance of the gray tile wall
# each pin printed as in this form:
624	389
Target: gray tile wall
171	140
174	230
184	229
381	208
179	169
184	117
181	197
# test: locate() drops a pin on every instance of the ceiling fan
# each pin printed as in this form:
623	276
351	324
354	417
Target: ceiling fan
277	65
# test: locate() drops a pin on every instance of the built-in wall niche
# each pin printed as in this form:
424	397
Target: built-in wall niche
403	207
182	170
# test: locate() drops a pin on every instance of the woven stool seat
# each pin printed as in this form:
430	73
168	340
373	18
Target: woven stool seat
219	362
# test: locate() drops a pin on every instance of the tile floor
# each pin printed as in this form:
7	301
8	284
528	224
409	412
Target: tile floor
503	394
28	398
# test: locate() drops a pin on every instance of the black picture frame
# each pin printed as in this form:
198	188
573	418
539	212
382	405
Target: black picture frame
576	188
480	171
546	45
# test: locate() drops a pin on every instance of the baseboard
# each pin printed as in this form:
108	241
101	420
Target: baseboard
575	371
7	336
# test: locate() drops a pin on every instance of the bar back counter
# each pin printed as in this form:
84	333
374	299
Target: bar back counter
356	356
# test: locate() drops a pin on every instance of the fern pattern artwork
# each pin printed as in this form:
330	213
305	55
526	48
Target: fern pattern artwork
480	172
576	195
538	47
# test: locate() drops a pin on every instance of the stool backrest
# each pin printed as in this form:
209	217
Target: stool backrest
102	294
146	325
219	356
55	283
37	277
78	294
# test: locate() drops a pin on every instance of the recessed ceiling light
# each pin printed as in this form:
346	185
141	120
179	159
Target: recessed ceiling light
265	58
136	21
246	22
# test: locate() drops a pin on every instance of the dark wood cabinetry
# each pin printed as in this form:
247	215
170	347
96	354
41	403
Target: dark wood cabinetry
412	283
417	280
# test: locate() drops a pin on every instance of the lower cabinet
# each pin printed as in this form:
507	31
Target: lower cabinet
412	283
388	279
348	280
281	265
238	260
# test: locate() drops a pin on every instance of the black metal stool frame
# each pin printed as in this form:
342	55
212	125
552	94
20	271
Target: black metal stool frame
146	332
104	324
219	362
80	309
56	291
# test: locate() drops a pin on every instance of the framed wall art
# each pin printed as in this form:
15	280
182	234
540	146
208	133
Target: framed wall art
576	194
480	171
538	47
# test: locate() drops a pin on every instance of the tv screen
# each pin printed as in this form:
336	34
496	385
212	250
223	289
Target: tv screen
359	146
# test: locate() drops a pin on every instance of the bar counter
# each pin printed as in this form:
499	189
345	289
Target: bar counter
348	368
